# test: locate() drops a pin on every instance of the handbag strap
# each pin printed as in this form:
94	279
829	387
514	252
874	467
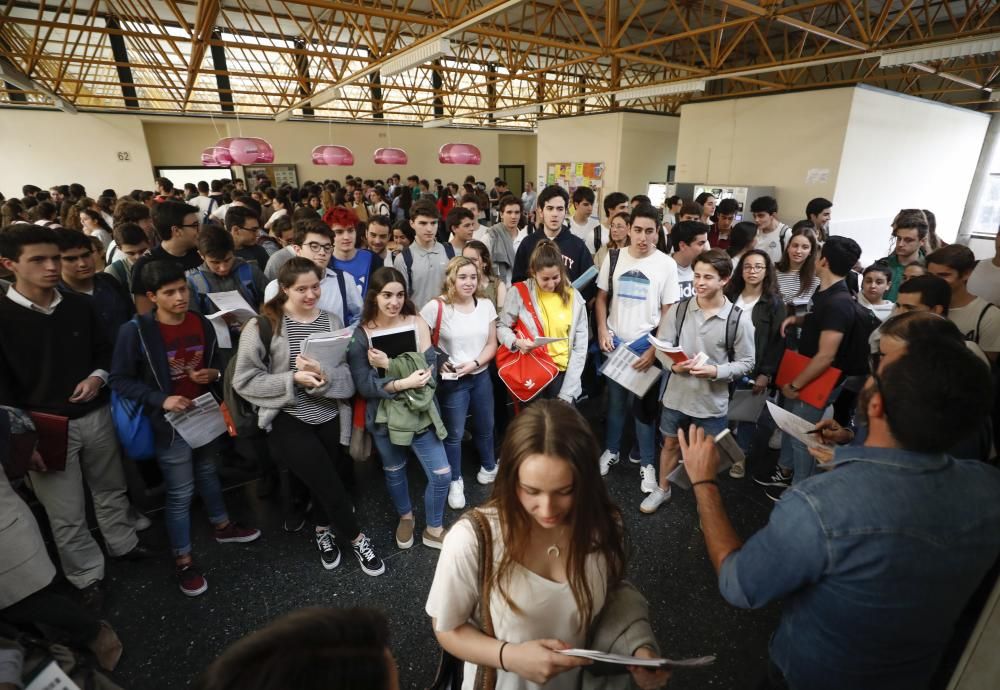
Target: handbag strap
522	287
486	676
436	333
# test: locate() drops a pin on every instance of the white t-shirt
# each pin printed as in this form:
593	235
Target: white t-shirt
985	281
747	305
770	242
685	280
585	232
463	336
642	286
202	203
548	610
967	317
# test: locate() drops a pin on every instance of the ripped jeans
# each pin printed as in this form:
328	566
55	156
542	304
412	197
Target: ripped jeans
430	452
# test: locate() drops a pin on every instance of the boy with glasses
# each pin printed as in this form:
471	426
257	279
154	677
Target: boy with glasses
244	225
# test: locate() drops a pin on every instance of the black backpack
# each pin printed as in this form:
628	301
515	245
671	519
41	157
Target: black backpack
242	414
855	350
732	326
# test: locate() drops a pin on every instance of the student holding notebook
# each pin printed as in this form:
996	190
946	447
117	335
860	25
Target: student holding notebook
373	356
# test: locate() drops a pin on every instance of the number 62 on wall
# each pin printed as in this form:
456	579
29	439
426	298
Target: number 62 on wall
123	156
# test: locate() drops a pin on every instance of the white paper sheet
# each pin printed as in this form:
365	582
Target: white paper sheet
745	406
729	454
232	301
796	427
637	661
546	341
618	368
329	349
201	423
52	678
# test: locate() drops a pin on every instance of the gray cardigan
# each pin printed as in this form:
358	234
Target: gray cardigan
25	567
621	628
513	309
270	386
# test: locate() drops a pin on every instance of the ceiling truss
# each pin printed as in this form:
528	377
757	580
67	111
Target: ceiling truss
273	58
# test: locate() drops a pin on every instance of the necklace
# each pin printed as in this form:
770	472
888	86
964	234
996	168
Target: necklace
554	550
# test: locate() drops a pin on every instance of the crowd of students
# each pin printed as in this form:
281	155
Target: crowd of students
478	277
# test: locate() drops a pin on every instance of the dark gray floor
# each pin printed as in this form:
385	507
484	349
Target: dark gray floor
169	638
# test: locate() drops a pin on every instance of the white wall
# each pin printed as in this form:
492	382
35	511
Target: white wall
772	141
648	148
903	152
48	148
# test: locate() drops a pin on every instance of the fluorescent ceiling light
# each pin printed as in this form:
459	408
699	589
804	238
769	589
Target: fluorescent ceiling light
443	122
660	90
416	57
514	112
941	51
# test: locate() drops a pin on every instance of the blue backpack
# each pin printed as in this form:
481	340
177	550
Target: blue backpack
135	431
199	285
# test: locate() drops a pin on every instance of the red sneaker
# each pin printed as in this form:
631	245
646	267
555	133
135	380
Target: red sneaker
234	533
191	582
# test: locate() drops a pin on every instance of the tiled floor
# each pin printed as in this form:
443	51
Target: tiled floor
169	638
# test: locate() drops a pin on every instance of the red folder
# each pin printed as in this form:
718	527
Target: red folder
53	439
817	393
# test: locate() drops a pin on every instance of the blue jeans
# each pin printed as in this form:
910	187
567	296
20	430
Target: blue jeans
794	455
473	392
184	468
430	452
619	406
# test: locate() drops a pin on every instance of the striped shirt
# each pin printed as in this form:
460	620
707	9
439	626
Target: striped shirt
311	409
789	285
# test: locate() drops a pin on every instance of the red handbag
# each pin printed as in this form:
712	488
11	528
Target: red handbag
525	374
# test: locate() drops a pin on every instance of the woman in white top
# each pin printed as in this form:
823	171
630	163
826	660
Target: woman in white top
94	225
280	204
707	202
797	279
618	233
557	554
463	324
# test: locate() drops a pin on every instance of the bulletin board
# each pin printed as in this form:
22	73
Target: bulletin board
278	174
569	176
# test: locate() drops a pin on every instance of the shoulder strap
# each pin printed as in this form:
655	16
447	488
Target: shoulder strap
979	321
612	263
198	281
342	284
484	536
682	310
597	237
732	326
449	250
245	275
783	236
408	261
118	272
436	333
522	288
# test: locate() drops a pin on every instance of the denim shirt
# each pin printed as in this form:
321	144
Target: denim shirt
875	560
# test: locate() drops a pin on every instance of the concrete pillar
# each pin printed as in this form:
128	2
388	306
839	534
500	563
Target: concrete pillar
991	145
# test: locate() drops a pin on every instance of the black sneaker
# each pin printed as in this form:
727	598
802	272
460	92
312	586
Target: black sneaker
777	478
775	492
329	554
370	563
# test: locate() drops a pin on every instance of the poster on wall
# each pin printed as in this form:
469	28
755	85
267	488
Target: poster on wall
569	176
277	174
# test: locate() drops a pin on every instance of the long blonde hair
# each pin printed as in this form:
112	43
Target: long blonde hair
546	254
450	292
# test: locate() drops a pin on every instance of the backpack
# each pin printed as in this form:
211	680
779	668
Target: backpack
199	285
342	284
449	251
117	271
133	428
783	235
207	216
732	326
974	336
241	416
613	255
597	238
855	349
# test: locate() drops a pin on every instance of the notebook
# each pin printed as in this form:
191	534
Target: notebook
817	393
394	341
53	438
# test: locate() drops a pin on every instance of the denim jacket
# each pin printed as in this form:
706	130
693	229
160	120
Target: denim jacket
874	560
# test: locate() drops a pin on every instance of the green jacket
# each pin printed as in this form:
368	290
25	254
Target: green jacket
412	410
897	274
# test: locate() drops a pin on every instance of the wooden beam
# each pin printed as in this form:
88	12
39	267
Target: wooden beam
204	23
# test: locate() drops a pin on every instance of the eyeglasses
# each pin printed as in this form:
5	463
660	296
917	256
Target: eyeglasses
254	229
189	225
747	268
318	248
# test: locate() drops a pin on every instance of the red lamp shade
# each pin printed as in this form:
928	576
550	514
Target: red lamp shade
390	156
459	154
332	154
216	157
248	150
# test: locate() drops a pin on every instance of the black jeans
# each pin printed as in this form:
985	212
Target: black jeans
312	453
49	609
773	678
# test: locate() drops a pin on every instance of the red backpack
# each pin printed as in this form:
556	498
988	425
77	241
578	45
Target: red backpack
525	375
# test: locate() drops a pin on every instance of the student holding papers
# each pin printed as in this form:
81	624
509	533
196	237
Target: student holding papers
563	314
698	391
629	307
165	360
299	398
463	324
555	548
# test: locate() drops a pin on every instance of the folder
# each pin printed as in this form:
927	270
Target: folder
817	393
53	439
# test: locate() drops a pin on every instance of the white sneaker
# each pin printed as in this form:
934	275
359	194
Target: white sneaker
774	443
456	495
486	476
607	460
654	500
647	473
738	470
139	521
